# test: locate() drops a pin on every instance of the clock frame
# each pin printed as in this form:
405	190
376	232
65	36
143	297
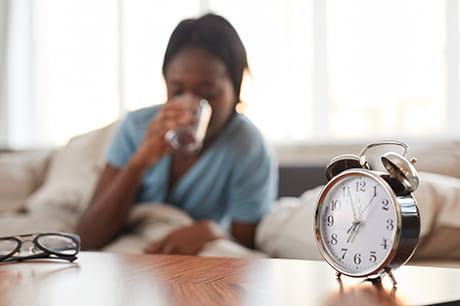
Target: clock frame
396	185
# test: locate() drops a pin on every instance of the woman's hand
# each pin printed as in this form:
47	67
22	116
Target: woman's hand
186	240
154	145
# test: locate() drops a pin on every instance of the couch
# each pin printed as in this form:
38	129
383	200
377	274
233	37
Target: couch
48	190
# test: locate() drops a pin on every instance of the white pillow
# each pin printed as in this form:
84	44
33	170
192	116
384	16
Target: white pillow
21	173
72	175
438	198
441	158
287	231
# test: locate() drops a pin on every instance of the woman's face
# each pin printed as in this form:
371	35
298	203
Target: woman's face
195	71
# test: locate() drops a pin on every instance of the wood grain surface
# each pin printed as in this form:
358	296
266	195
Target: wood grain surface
114	279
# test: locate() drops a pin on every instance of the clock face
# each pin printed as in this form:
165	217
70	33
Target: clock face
357	222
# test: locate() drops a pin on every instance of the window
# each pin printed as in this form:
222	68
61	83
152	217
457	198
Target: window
386	68
322	71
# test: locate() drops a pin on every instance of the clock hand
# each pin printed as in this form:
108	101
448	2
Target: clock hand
356	225
367	206
353	230
355	214
355	222
353	225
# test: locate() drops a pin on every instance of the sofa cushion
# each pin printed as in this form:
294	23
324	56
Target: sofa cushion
21	173
20	223
442	158
72	175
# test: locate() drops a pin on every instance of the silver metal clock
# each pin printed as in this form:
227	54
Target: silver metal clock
367	222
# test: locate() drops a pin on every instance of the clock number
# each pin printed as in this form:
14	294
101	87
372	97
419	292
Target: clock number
344	252
346	191
357	258
361	186
390	224
384	243
372	257
334	239
336	205
385	204
330	220
375	191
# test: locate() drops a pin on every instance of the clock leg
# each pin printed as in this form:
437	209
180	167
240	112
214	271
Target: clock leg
375	280
393	279
339	280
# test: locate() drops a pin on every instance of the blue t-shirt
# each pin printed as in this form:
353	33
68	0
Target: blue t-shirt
234	179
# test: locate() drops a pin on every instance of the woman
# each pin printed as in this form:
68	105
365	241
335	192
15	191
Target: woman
231	181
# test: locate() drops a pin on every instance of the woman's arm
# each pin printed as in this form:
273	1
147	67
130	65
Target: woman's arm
190	239
116	189
186	240
110	204
244	233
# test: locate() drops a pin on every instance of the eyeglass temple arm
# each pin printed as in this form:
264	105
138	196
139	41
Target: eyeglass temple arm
70	258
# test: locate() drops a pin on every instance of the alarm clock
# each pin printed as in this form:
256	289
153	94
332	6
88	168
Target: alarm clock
366	221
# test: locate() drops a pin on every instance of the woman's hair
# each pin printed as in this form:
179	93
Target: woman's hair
216	35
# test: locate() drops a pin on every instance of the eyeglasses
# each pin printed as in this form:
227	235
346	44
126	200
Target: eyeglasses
40	245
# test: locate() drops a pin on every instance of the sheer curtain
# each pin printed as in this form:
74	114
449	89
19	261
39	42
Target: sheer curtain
322	71
84	63
4	12
17	104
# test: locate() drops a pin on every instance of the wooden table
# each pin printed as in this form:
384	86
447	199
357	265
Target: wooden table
113	279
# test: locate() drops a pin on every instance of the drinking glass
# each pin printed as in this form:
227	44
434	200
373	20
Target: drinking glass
190	137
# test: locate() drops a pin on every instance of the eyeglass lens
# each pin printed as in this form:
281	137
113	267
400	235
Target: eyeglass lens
7	246
58	244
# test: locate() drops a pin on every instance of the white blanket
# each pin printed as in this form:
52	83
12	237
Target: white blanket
150	222
146	222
